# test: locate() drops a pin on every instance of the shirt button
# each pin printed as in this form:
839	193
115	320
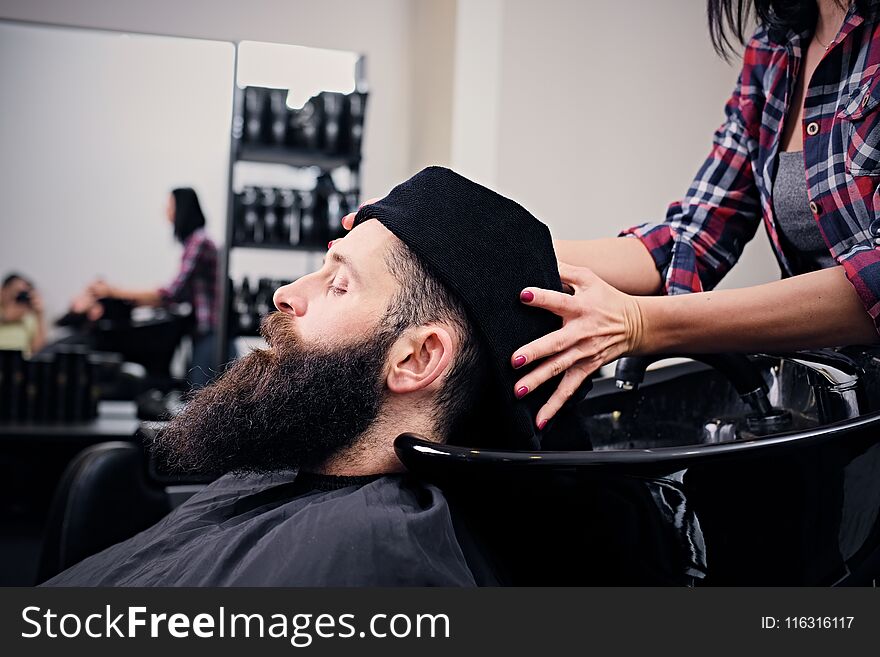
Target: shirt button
812	128
814	208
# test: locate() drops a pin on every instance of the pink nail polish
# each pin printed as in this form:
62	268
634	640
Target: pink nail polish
542	424
527	296
519	361
522	391
329	244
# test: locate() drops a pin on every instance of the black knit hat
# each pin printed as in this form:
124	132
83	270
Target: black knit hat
485	248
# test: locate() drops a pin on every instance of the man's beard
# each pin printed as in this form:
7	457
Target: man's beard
286	407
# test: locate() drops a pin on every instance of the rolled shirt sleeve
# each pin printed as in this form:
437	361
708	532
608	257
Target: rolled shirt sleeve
704	233
862	267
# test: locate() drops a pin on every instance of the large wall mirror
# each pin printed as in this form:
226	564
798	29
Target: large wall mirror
99	127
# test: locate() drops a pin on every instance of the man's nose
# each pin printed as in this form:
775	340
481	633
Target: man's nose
289	299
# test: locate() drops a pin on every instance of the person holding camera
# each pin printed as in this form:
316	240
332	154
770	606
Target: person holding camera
22	326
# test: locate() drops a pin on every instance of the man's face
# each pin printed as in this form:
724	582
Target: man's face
319	386
343	301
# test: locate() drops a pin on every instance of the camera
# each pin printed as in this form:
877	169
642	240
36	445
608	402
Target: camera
23	297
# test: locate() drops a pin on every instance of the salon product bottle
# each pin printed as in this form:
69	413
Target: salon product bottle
80	385
307	218
319	213
259	225
289	213
332	110
63	379
263	301
46	410
94	396
254	103
278	111
251	217
244	223
293	135
32	375
15	384
309	125
335	212
270	217
237	218
324	191
243	300
5	392
354	119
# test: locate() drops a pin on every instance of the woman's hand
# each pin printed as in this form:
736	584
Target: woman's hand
37	303
348	220
599	324
100	290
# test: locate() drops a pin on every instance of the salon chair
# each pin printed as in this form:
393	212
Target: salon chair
104	497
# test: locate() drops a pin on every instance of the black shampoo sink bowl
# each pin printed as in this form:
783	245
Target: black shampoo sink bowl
684	405
671	484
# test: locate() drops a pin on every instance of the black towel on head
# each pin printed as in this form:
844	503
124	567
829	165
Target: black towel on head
485	248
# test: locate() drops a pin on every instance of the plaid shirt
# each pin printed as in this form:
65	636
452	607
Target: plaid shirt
196	282
704	233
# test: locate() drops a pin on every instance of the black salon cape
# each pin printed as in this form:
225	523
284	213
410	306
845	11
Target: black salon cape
286	529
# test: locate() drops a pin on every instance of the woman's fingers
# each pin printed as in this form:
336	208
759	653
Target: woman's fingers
560	303
348	220
597	327
550	368
546	345
569	384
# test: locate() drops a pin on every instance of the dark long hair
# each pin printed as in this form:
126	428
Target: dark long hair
188	215
729	19
12	277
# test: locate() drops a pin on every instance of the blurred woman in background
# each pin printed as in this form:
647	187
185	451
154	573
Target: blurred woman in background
196	282
22	327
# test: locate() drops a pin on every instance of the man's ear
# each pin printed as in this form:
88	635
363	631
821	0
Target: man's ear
419	357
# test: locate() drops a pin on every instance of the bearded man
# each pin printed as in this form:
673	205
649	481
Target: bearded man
409	326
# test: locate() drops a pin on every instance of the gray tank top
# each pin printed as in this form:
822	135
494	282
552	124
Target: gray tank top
800	237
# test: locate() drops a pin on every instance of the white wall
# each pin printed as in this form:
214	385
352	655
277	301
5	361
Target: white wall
432	39
84	196
600	113
604	111
476	110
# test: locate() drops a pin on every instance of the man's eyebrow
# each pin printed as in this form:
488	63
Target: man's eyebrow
345	261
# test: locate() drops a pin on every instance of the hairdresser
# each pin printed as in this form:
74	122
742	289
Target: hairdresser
799	153
196	281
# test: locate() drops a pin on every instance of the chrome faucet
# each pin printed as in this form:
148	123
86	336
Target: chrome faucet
833	377
739	370
835	380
